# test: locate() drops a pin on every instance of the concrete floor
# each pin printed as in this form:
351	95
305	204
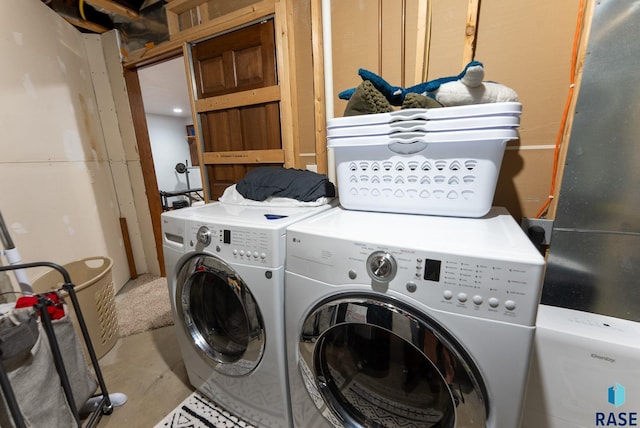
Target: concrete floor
148	368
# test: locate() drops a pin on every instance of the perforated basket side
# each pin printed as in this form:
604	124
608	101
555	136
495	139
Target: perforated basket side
97	302
106	309
452	179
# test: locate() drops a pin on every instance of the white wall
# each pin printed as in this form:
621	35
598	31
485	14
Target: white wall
57	192
169	146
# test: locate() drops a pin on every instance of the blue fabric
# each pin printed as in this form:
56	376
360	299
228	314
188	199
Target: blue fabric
396	94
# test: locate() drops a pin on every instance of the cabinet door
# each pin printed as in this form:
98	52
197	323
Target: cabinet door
238	103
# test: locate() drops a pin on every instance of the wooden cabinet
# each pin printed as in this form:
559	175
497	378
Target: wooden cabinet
237	103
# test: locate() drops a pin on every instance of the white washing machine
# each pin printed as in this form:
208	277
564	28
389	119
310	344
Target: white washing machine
399	320
225	271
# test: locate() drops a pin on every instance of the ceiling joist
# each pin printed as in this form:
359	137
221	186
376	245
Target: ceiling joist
87	25
114	7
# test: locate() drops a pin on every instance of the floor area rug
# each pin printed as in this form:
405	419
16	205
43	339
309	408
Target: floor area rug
143	304
197	411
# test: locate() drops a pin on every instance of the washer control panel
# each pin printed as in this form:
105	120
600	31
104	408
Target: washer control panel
237	244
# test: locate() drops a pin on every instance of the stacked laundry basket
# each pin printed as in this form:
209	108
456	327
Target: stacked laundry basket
442	161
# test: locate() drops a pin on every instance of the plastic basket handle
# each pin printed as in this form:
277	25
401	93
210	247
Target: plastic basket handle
407	143
87	261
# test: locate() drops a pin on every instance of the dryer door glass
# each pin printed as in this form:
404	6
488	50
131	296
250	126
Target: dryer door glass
379	365
220	315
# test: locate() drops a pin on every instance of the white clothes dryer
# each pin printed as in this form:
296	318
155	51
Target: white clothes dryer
225	272
399	320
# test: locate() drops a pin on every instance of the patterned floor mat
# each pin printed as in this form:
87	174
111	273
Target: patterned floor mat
197	411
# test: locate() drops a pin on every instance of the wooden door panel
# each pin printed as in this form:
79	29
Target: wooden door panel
248	67
260	127
254	127
248	57
240	128
223	176
213	68
219	132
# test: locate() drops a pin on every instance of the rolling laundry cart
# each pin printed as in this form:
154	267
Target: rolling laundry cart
103	405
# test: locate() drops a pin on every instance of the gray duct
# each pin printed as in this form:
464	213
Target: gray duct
594	258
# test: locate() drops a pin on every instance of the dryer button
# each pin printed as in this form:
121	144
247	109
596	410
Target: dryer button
477	299
462	297
353	274
235	252
242	252
447	294
493	302
263	256
510	305
255	255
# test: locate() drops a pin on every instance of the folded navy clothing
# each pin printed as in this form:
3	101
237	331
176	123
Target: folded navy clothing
264	182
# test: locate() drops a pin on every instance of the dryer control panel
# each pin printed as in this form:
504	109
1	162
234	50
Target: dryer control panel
483	267
257	247
475	286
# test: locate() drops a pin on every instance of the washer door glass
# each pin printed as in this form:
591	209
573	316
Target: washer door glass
375	363
220	314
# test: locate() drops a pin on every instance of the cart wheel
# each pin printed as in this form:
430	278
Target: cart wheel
107	410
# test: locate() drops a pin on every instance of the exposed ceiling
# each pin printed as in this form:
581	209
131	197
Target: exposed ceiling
164	87
140	22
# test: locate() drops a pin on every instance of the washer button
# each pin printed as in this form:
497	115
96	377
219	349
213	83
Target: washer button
493	302
462	297
477	299
447	294
263	256
353	274
255	255
235	252
242	252
510	305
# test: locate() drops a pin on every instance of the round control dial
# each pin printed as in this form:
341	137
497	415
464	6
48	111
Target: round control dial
204	235
381	266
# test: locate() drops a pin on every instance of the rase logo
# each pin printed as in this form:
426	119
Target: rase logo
616	396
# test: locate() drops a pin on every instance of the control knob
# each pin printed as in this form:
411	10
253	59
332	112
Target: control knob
381	266
204	235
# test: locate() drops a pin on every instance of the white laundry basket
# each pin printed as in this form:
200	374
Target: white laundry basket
432	173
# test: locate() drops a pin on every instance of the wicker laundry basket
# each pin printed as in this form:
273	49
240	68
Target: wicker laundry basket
93	284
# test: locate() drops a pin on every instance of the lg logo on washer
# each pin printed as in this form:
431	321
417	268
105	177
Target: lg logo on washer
616	396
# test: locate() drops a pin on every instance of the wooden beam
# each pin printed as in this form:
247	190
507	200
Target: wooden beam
286	76
471	32
146	160
423	38
87	25
180	6
318	86
245	156
239	99
114	7
133	273
195	118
